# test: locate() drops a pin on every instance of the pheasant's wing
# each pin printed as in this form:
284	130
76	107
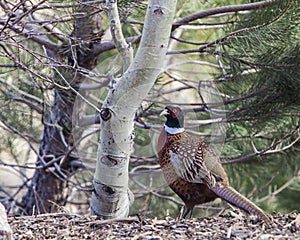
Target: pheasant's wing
195	162
214	165
186	156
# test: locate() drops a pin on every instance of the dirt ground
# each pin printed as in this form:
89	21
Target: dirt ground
66	226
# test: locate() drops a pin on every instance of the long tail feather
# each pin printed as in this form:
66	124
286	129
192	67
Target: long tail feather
232	196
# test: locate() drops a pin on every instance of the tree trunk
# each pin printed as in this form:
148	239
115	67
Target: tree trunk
48	188
112	198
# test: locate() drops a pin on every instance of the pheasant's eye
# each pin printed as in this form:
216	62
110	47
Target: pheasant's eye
174	113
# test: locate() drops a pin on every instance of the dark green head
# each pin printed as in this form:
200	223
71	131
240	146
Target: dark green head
174	115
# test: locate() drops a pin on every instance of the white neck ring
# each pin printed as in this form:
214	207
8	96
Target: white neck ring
174	130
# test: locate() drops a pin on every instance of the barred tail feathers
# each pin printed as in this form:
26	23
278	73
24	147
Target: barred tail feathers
232	196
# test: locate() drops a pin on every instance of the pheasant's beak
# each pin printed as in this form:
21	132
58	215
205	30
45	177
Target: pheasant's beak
164	112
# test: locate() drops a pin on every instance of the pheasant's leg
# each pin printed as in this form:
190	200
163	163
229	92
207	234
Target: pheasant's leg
188	212
182	209
191	212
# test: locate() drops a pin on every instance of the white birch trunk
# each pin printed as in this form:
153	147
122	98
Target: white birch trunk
112	198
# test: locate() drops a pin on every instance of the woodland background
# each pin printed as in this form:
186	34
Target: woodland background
234	69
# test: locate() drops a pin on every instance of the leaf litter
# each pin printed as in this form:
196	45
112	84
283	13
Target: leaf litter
67	226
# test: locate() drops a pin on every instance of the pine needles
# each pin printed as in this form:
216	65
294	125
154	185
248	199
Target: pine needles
264	60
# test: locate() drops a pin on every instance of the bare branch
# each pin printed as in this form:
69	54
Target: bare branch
282	187
268	150
225	9
123	47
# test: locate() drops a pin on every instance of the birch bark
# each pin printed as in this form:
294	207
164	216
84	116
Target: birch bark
112	197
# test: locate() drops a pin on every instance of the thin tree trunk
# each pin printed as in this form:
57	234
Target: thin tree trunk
112	198
48	188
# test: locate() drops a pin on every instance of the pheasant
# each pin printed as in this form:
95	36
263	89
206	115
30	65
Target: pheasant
193	171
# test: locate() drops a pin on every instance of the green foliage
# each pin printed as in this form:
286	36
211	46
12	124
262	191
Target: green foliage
131	9
264	59
262	82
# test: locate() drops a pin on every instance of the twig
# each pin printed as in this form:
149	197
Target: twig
122	46
284	186
268	150
225	9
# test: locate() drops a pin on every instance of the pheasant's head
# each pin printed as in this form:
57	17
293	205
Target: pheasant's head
175	119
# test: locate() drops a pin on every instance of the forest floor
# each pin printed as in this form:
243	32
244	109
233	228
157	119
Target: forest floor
67	226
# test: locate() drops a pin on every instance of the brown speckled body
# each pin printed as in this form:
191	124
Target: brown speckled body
191	193
195	173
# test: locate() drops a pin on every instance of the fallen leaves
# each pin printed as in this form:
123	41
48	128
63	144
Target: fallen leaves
65	226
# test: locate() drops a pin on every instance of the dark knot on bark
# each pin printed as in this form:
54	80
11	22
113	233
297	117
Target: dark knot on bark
105	114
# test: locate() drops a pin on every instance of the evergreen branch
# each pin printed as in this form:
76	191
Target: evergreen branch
270	149
20	92
28	103
69	86
284	186
225	9
266	65
29	32
234	33
27	138
186	41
